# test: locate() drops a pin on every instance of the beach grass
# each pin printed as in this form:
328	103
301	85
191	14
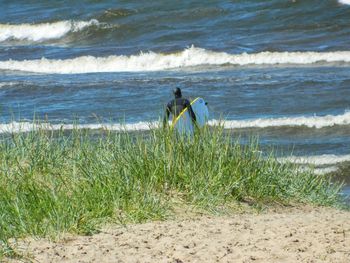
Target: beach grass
58	181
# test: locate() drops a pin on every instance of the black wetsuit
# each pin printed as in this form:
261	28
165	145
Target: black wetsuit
176	106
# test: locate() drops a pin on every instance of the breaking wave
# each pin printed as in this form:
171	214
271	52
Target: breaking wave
318	160
316	170
151	61
7	84
345	2
43	31
14	127
308	121
311	122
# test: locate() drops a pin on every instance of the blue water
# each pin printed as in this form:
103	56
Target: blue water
276	69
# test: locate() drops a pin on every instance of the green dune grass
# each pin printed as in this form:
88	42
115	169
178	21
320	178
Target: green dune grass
53	182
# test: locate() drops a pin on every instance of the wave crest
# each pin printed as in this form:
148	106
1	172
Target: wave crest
150	61
15	127
7	84
345	2
318	160
43	31
312	122
307	121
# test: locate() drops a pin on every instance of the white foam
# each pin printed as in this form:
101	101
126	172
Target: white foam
318	171
7	84
308	121
345	2
317	160
150	61
42	31
314	121
327	170
15	127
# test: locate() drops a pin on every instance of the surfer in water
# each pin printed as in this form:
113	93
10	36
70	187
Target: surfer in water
176	106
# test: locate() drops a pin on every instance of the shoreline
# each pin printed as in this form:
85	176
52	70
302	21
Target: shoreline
297	234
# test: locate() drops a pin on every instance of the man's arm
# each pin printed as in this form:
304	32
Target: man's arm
190	111
166	115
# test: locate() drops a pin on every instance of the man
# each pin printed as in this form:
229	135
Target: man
177	105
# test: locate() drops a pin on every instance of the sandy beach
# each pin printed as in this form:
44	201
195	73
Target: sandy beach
174	131
284	235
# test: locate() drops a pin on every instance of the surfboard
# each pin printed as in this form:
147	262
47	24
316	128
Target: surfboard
183	123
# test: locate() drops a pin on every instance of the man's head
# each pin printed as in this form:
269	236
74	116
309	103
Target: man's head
177	93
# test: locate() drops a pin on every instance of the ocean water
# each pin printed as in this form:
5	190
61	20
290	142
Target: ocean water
276	69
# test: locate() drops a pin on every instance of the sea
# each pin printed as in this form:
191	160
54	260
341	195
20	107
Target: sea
276	70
